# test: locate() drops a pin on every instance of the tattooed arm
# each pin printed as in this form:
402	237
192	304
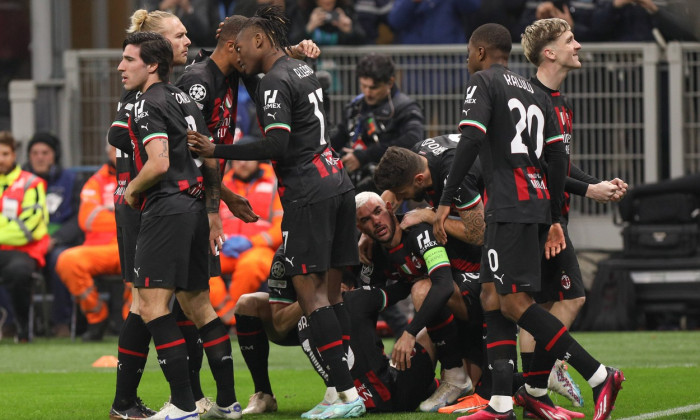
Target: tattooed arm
152	171
212	197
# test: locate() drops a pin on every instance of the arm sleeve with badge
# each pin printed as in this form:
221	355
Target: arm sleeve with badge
276	130
473	134
438	268
200	92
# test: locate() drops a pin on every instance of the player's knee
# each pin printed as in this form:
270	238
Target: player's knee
575	305
246	305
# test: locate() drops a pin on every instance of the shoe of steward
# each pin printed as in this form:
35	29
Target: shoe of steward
261	402
469	404
233	411
562	383
606	393
137	410
171	412
446	394
489	414
341	410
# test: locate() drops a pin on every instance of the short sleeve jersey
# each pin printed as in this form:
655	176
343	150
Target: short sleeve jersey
165	112
290	98
280	284
565	118
213	94
440	152
118	136
519	122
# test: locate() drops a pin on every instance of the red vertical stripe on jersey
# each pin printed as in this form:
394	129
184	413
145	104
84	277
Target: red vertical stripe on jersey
320	166
521	184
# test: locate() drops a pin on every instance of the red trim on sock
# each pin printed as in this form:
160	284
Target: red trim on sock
330	345
184	323
555	338
131	352
215	342
442	324
501	343
542	372
248	333
171	344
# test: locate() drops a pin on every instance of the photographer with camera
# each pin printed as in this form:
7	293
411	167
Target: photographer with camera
381	116
326	22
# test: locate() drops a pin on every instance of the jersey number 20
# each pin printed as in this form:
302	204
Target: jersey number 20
525	122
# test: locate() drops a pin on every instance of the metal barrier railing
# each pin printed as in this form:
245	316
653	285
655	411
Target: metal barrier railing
615	97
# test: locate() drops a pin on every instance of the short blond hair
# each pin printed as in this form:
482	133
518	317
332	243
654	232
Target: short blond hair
144	21
539	34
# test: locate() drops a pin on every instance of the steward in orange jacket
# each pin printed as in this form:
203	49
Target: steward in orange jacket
99	254
24	238
249	247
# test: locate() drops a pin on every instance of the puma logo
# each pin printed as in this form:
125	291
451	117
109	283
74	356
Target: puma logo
466	111
136	271
145	127
273	116
499	278
290	261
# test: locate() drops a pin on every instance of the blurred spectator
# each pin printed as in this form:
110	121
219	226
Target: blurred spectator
62	202
326	22
430	21
373	15
503	12
381	116
249	248
577	13
24	237
99	254
634	20
200	17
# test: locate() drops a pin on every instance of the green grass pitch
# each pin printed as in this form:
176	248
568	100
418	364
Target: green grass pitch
54	379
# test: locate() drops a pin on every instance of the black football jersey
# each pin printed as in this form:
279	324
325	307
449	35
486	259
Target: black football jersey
440	152
216	96
519	122
565	117
118	136
165	112
290	98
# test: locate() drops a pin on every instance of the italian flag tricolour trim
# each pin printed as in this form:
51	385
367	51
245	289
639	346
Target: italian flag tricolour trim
473	123
154	136
278	126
